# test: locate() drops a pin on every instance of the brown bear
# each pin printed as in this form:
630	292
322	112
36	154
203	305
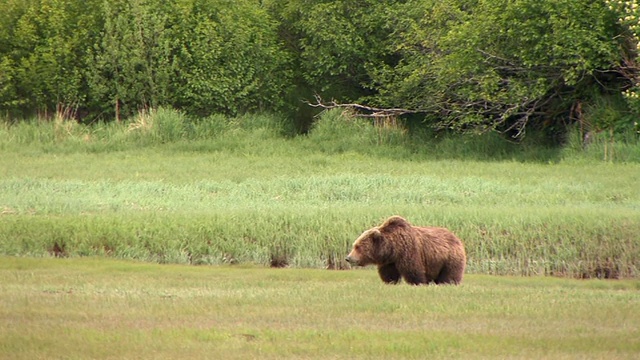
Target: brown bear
420	255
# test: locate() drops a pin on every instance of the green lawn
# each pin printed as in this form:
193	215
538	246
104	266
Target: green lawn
108	309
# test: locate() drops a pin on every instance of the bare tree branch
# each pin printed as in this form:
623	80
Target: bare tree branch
363	110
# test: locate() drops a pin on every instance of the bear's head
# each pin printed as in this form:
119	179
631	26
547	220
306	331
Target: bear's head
374	245
365	248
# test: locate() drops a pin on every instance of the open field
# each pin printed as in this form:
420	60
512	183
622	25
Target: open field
98	227
107	309
166	205
163	188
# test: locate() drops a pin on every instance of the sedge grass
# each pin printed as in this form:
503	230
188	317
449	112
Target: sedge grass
590	244
515	218
169	189
100	309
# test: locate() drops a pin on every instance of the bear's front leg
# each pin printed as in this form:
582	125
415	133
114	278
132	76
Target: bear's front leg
389	273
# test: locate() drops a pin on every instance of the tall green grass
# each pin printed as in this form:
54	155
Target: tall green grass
148	128
602	147
599	244
335	132
166	188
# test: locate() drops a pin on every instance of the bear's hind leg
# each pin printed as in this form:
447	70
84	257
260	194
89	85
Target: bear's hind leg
415	279
447	276
389	273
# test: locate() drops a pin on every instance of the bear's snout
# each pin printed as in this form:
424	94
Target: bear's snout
350	259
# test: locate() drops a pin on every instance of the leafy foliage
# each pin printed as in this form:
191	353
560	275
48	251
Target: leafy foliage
116	57
41	53
500	64
465	64
228	58
130	65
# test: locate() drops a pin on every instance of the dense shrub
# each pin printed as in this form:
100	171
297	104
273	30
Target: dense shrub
463	65
113	58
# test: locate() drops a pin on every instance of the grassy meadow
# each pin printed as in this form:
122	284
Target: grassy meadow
165	188
100	226
112	309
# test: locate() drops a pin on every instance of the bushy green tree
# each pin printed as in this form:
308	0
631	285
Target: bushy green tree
502	64
42	43
115	57
10	12
466	64
228	58
628	18
129	67
337	43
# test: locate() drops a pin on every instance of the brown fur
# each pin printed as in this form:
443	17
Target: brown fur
419	255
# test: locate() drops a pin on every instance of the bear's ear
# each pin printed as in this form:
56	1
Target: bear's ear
376	235
393	222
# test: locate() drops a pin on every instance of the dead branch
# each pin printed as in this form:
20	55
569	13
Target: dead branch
363	110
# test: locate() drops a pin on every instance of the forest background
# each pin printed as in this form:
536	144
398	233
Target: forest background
457	64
